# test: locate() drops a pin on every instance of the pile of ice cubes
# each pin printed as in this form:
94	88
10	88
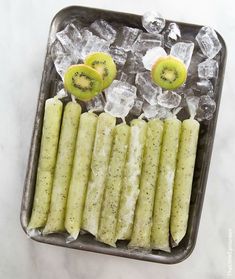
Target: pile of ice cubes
135	51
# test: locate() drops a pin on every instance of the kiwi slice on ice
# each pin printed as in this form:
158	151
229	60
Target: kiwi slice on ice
104	64
83	82
169	72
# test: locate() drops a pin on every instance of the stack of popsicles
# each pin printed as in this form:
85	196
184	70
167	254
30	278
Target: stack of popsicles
117	182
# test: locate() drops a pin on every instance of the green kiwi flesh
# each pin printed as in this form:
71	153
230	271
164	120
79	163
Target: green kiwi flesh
169	72
104	64
83	82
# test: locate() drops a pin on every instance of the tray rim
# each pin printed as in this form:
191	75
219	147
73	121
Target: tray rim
54	239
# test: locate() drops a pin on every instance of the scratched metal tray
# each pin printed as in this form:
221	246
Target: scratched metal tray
206	138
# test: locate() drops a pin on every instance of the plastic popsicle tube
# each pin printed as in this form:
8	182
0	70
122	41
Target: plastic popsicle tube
131	179
46	163
164	187
141	233
80	173
99	167
108	219
183	179
63	169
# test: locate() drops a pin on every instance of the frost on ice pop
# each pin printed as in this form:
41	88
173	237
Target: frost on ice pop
99	167
164	187
80	173
107	227
46	163
131	179
183	179
143	214
63	169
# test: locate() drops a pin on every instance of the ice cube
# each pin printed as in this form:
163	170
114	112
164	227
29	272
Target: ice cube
94	44
104	30
116	109
208	69
172	34
60	91
205	86
137	107
96	104
146	89
122	76
71	40
206	108
196	59
147	41
61	94
62	59
150	111
152	55
183	51
155	111
208	42
192	103
126	38
153	22
120	98
119	56
134	63
121	92
78	24
174	31
169	99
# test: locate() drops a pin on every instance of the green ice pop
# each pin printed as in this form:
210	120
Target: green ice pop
46	163
108	220
80	173
99	167
183	179
143	215
63	169
164	188
131	179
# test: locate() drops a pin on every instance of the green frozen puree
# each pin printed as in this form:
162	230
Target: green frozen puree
164	188
46	163
80	173
144	209
63	169
131	179
183	179
99	167
108	220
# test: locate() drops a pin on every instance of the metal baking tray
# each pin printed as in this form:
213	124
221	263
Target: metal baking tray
207	133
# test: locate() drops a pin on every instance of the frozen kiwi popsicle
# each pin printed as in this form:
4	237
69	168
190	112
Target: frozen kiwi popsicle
99	167
46	163
164	187
183	179
80	173
63	169
131	179
108	219
143	215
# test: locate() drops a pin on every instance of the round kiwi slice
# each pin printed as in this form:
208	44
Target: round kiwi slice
83	82
104	64
169	72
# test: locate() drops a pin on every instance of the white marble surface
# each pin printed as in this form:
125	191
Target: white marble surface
24	28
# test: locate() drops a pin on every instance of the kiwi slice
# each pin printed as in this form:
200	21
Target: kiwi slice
104	64
169	72
83	82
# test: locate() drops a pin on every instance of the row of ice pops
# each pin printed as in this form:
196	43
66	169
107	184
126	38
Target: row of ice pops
117	182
